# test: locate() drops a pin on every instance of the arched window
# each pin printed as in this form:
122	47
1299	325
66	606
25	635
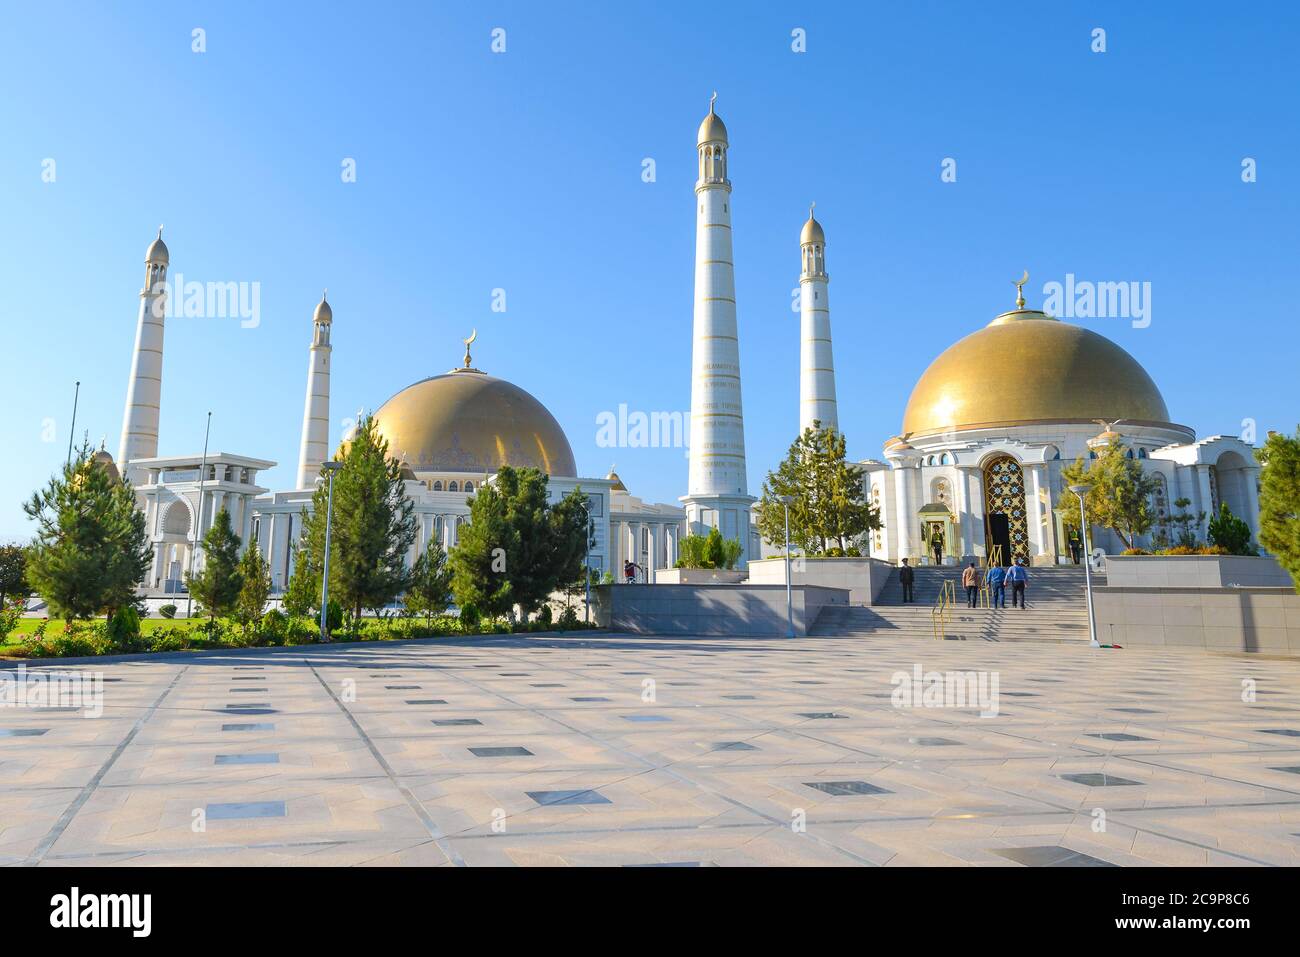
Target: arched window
437	486
945	459
453	486
469	486
1142	453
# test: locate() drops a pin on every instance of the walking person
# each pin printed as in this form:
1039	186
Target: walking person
1018	575
936	546
995	579
1076	547
629	572
906	576
970	580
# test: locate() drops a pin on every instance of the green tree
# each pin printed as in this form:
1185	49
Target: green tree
255	574
1186	522
91	550
1120	498
373	527
1230	533
517	548
13	572
830	510
302	594
217	586
1279	500
429	592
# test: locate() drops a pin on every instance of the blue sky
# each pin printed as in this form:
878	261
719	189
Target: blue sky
522	171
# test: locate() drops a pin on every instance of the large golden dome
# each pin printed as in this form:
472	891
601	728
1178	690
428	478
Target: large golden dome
1026	367
467	421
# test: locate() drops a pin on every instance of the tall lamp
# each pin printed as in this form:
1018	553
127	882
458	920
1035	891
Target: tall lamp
1081	491
329	468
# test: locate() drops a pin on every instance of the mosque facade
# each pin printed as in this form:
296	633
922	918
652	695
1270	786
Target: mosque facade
975	471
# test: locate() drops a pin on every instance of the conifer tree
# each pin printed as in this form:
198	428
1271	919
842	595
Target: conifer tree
1279	500
216	587
255	574
429	593
91	550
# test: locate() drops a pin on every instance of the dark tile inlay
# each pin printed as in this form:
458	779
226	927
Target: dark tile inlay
22	732
246	759
593	698
740	697
248	809
455	722
733	746
549	684
821	715
845	788
261	726
933	742
425	701
401	687
1135	710
1117	736
1048	856
1291	770
645	717
1097	779
1286	732
500	752
548	798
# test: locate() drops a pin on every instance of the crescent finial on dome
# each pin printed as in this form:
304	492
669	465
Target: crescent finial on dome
1020	290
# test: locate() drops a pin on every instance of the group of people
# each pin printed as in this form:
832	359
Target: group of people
996	578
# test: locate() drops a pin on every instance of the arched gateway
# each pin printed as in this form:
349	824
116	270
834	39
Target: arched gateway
1005	521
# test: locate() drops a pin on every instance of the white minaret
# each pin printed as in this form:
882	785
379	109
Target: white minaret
316	409
816	363
717	487
144	391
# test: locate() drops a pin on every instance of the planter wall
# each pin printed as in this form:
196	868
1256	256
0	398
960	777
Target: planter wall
710	609
863	578
1195	571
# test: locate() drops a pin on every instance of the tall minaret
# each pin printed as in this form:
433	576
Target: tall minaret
316	409
717	487
816	363
144	391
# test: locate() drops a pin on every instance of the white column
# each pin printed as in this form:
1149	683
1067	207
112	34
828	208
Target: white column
816	361
316	408
906	510
144	389
1205	500
1249	477
967	515
656	531
1033	510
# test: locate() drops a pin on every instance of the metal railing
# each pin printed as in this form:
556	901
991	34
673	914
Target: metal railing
941	613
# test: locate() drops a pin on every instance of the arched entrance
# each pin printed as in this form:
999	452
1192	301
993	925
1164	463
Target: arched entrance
1004	509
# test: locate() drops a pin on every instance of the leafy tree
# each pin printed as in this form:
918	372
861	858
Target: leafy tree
13	572
1279	500
1231	533
373	528
517	548
256	587
1185	522
217	586
708	551
829	497
429	593
303	591
91	550
1120	498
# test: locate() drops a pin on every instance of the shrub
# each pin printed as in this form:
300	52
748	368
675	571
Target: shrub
1135	551
167	611
568	620
470	619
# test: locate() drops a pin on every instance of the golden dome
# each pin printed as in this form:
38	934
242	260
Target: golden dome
712	129
157	251
618	485
103	459
812	232
323	311
467	421
1027	367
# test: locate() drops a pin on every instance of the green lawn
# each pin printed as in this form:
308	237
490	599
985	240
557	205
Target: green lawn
27	626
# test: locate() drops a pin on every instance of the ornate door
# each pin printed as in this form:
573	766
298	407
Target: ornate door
1004	495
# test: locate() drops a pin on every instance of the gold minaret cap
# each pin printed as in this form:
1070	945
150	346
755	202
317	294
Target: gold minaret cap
812	230
323	311
157	252
468	366
1020	290
712	130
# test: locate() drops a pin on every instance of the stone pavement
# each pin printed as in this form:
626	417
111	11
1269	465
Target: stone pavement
526	751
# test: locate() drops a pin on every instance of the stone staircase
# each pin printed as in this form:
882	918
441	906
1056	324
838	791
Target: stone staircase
1057	610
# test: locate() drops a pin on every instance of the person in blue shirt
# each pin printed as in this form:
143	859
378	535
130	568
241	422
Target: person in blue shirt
995	579
1018	576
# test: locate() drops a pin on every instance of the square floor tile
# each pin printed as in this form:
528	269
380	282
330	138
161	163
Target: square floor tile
246	759
511	752
845	788
550	798
1046	856
248	809
1096	779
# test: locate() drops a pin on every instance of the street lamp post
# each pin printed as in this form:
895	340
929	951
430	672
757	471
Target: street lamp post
198	520
785	500
1081	491
586	561
329	469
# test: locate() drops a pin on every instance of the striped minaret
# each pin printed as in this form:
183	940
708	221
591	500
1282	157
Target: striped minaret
144	391
717	486
316	408
816	363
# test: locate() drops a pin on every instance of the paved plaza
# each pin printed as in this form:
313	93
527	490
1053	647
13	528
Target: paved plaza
637	751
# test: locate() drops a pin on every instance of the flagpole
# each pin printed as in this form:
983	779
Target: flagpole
72	430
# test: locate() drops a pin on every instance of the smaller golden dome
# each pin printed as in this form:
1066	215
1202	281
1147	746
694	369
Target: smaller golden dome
618	485
712	130
812	231
103	459
323	311
157	252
